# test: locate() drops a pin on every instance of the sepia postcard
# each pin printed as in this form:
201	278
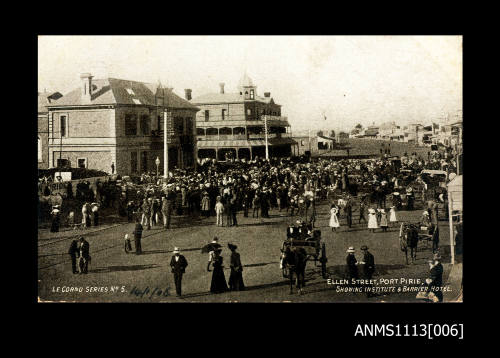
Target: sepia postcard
263	169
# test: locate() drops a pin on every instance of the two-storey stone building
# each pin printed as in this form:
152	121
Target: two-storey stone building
116	125
44	99
233	124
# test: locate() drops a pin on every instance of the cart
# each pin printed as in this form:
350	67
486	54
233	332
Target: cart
314	248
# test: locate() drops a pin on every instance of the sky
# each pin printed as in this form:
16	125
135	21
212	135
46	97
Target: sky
347	79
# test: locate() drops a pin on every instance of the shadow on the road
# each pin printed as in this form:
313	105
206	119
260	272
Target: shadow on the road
123	268
265	223
261	264
149	252
340	270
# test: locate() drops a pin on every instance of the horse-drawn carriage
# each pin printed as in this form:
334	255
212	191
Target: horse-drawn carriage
410	235
314	249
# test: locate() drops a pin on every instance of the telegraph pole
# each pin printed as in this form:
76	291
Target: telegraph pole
265	126
165	146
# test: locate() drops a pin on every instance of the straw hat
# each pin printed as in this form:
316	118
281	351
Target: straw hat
176	250
350	249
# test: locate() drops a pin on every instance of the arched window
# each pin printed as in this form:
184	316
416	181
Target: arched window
40	150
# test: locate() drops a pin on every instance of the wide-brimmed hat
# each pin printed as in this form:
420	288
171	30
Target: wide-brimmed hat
176	250
371	211
364	247
425	213
232	246
350	249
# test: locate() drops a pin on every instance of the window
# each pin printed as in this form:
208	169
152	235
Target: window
179	125
133	162
129	90
145	125
159	123
249	112
252	94
136	101
189	126
63	163
207	115
144	162
130	124
63	123
40	150
82	162
223	114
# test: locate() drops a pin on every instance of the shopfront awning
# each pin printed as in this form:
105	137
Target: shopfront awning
230	143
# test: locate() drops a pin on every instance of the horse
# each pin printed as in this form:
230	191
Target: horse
408	238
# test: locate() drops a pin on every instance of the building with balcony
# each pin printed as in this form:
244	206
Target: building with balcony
116	125
233	125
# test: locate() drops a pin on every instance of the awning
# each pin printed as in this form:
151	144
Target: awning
230	143
281	141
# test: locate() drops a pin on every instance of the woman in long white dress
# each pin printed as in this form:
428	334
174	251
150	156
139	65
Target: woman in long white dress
392	217
372	220
334	220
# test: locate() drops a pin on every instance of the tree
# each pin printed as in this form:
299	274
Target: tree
319	133
355	131
332	134
359	126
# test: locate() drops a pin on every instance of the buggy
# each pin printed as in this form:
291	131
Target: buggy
312	245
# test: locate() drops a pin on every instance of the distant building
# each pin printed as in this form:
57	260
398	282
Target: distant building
371	132
316	144
44	98
114	122
232	125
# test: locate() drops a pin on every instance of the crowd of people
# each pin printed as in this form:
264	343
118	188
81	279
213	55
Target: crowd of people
290	186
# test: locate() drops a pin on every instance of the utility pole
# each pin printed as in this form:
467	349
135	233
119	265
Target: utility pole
267	145
165	146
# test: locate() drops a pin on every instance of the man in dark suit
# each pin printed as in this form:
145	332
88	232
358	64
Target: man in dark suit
74	253
138	236
84	249
368	268
435	282
348	212
178	263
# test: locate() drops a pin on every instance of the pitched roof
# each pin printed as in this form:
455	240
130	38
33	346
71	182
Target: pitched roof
46	98
245	81
226	98
114	91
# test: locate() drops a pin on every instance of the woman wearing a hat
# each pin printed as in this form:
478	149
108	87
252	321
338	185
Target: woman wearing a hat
236	276
56	218
383	220
334	220
218	284
393	217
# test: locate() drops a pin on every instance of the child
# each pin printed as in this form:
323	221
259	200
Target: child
383	220
128	245
219	210
393	218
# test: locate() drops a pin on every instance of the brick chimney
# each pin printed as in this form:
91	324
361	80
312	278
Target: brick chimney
187	94
86	87
267	94
221	87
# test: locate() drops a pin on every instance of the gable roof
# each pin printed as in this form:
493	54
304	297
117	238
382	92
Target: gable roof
113	91
46	98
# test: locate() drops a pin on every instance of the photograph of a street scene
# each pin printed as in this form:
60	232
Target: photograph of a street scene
250	169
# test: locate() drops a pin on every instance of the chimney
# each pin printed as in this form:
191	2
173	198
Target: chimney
267	94
187	94
86	86
221	87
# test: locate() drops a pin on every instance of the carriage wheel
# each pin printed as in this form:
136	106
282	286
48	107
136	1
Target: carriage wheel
323	261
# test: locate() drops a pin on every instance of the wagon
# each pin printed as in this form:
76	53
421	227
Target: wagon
423	232
313	247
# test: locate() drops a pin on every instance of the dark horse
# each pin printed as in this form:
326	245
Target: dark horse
379	194
408	238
